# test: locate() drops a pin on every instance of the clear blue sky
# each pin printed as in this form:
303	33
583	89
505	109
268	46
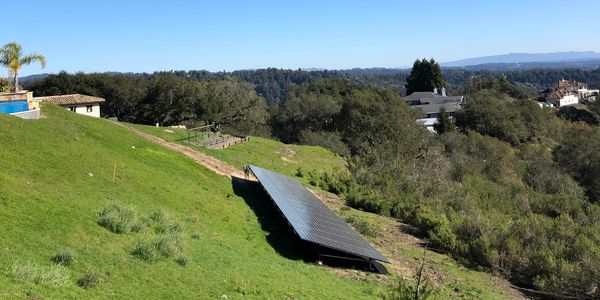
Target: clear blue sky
144	36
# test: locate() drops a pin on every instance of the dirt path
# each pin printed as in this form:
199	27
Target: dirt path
207	161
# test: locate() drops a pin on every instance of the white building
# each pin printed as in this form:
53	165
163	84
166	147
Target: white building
585	94
580	89
560	99
81	104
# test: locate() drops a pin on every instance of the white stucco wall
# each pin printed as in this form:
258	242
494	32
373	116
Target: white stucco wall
82	109
569	100
585	94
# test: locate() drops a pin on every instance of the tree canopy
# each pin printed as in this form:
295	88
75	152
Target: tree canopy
424	77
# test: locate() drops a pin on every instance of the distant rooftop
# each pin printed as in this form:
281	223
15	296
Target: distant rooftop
431	98
450	107
432	102
570	84
71	99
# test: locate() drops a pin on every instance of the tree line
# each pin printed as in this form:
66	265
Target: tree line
167	99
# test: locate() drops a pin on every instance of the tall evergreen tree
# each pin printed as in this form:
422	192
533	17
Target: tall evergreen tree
444	123
424	76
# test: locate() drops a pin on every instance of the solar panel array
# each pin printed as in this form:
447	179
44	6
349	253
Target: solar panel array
310	218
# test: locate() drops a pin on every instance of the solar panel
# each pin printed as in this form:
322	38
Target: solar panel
310	218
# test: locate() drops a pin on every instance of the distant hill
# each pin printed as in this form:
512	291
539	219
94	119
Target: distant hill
583	64
525	58
25	79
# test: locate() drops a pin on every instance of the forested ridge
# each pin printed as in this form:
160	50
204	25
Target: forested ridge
513	189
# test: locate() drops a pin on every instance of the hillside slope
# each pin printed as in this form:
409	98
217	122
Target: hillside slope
56	174
394	239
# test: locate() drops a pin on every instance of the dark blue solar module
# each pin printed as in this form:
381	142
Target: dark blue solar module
310	218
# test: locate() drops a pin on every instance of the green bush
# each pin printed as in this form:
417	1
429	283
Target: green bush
368	199
53	276
196	235
299	172
146	250
90	279
437	228
182	260
165	223
24	271
64	257
119	218
364	227
169	245
162	246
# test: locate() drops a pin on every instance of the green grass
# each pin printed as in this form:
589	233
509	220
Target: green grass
56	175
262	152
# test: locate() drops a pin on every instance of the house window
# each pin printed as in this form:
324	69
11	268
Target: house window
72	108
88	108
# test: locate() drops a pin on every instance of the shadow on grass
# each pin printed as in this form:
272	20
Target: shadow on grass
280	235
282	238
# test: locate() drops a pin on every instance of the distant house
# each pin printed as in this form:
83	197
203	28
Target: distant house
568	92
431	103
81	104
560	98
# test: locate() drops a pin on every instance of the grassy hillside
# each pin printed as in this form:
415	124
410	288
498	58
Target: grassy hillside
56	175
263	152
453	280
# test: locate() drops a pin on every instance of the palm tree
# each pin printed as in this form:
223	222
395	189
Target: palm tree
12	58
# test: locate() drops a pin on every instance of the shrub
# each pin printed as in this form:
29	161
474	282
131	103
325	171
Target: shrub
338	183
159	247
442	236
24	271
169	245
90	279
314	177
118	218
368	199
54	276
437	229
138	226
196	235
364	227
64	257
146	250
165	223
182	260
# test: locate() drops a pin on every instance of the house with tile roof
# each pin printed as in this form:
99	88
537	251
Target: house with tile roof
562	98
81	104
568	92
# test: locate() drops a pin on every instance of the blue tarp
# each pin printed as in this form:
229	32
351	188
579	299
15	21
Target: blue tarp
10	107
